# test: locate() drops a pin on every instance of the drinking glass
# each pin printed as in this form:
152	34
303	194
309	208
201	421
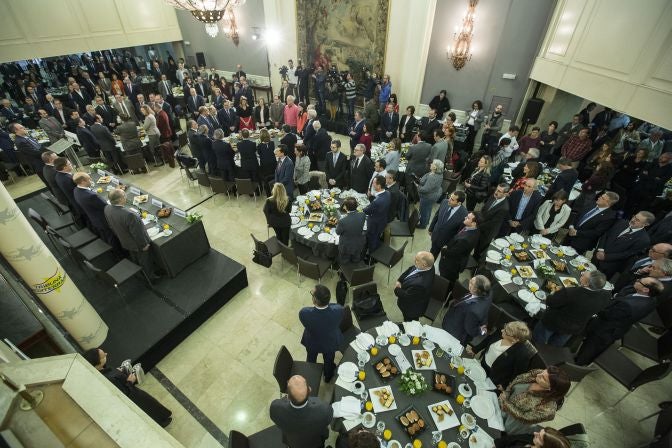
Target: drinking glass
361	363
436	437
380	427
364	396
439	352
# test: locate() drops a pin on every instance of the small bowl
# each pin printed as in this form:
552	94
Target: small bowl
368	420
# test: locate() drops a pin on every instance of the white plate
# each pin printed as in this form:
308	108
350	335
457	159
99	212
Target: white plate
526	296
465	390
482	407
466	417
324	237
369	417
502	276
453	445
300	199
153	231
377	407
364	356
404	340
449	421
394	349
167	232
532	285
381	340
428	345
516	238
303	231
394	444
575	262
476	373
316	229
348	371
295	220
481	442
518	281
494	255
501	243
364	341
541	295
567	250
571	282
506	263
432	366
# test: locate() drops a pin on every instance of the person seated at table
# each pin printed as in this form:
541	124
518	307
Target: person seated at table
249	165
624	240
592	222
508	357
455	253
414	287
544	438
467	316
358	438
276	210
127	384
532	398
523	206
552	215
351	230
614	321
303	420
322	332
569	309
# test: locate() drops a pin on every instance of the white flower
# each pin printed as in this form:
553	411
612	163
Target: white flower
412	391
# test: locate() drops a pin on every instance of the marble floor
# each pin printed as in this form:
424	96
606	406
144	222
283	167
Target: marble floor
225	366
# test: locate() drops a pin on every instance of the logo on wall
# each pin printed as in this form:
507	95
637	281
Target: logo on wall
8	214
26	253
50	284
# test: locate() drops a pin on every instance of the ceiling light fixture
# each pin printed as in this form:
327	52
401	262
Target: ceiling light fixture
211	12
460	52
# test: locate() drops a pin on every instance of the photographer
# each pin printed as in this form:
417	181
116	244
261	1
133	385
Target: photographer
126	381
320	78
350	95
302	75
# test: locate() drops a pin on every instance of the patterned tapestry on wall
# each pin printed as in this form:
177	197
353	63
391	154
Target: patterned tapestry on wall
348	34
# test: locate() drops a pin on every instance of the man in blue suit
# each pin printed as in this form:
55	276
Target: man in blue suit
468	317
284	172
448	220
322	332
94	209
356	130
377	212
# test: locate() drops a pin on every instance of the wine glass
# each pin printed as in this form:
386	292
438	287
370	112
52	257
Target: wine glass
380	427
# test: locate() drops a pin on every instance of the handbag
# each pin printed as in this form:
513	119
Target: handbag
370	306
262	258
341	290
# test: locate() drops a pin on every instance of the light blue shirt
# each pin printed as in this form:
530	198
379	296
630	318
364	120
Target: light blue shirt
524	200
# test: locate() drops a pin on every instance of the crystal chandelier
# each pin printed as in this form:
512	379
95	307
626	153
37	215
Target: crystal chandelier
460	52
210	12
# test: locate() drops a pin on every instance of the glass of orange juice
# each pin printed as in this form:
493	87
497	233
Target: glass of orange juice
416	340
460	370
369	406
374	351
392	339
387	434
460	399
361	375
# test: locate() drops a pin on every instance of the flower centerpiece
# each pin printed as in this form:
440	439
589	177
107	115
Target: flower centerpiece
412	382
546	271
193	217
329	210
98	166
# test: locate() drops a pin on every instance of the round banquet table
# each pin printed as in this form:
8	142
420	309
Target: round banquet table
505	257
419	402
309	224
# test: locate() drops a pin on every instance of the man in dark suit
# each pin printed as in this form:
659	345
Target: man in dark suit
108	113
565	180
523	206
495	211
661	231
351	230
87	140
569	310
361	169
617	318
321	144
131	90
389	123
49	174
63	178
641	266
61	113
80	98
429	124
286	90
93	207
396	196
227	118
29	148
322	333
467	317
622	241
336	166
418	155
447	221
130	231
201	87
108	145
356	130
165	88
592	222
51	126
194	103
303	420
455	253
284	171
414	287
377	212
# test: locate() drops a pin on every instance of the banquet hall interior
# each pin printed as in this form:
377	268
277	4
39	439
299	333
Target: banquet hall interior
209	302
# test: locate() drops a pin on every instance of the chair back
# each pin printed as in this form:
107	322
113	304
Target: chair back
573	430
362	275
182	139
650	374
577	373
398	255
238	440
189	174
413	221
288	253
246	186
220	185
282	369
536	362
134	161
665	346
309	269
664	309
260	246
664	422
365	290
440	288
203	179
60	209
32	214
346	323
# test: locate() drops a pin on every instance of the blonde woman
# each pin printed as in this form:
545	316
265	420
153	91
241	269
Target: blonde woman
277	209
149	125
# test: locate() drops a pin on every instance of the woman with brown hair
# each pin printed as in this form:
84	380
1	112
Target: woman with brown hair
244	112
301	119
532	398
476	187
276	209
544	438
530	171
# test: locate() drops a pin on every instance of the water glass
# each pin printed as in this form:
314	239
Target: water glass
364	396
439	352
361	363
436	437
380	427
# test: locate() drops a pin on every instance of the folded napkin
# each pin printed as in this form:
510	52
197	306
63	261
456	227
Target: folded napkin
364	340
533	308
350	387
387	329
402	362
356	347
351	423
482	386
413	328
443	339
348	408
487	440
496	421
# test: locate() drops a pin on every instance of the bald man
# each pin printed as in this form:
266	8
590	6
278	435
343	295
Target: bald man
414	287
641	266
303	420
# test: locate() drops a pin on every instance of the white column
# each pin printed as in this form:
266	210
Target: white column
22	247
280	19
